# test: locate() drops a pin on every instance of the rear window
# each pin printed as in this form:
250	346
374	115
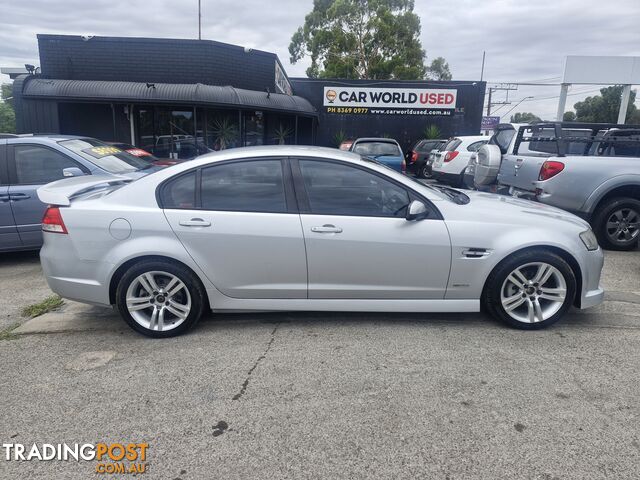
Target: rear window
452	145
377	149
105	156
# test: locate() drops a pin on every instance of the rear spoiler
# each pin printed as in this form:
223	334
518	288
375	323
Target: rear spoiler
63	191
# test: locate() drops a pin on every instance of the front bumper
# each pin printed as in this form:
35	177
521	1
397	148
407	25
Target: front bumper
592	293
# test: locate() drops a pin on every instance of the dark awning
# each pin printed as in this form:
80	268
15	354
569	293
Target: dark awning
133	92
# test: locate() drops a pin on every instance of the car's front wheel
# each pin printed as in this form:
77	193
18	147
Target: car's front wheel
530	290
160	298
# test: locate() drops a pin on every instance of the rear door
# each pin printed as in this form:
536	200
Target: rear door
31	166
9	238
241	226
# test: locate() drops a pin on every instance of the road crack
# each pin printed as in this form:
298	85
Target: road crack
245	384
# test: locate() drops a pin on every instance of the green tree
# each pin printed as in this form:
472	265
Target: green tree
7	114
569	116
439	70
431	132
604	108
370	39
525	117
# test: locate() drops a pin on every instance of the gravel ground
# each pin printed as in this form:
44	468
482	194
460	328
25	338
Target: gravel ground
312	395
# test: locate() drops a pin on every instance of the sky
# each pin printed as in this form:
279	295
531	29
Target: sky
524	41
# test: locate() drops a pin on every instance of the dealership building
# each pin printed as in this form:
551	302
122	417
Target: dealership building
161	94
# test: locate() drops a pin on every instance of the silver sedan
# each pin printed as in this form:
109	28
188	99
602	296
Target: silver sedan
308	228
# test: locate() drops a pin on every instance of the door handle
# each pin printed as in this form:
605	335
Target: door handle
16	197
327	228
195	222
4	198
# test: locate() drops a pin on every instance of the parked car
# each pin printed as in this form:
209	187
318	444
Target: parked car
144	155
177	147
309	228
451	161
28	162
591	170
345	145
383	150
418	157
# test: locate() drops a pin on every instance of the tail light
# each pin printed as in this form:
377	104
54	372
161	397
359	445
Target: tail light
450	156
404	166
414	157
549	169
52	221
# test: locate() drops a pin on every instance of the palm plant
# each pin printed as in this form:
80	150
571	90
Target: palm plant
282	133
339	137
225	131
431	132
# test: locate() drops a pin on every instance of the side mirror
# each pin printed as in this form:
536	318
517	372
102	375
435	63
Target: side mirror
72	172
417	211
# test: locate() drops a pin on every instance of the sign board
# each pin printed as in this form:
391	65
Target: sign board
282	82
600	70
389	101
489	123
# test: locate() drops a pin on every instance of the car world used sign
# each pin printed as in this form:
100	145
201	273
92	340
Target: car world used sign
394	101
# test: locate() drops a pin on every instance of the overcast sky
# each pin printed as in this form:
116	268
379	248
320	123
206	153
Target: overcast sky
524	40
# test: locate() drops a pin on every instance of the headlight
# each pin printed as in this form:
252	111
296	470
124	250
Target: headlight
589	240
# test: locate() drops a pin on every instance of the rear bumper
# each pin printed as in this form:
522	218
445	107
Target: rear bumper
71	277
450	178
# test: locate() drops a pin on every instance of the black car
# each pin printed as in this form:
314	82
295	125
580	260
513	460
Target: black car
417	157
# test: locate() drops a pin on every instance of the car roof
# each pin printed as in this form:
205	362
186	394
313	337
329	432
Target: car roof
46	136
375	139
276	151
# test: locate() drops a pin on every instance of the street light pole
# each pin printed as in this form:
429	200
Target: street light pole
199	21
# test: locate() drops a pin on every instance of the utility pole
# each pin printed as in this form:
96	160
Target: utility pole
482	69
507	87
199	21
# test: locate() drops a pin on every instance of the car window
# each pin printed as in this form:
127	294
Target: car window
180	192
475	146
246	186
338	189
38	165
452	145
502	138
377	149
105	156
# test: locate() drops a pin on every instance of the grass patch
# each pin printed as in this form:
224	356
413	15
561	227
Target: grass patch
49	304
7	333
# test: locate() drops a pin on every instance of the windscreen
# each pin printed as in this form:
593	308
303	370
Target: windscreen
377	149
105	156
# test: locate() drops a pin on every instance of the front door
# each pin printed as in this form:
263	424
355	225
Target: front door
30	167
9	238
241	227
359	244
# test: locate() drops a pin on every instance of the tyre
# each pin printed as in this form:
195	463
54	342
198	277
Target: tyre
530	290
160	298
424	171
617	223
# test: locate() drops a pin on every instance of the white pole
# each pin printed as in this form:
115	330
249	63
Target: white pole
624	103
562	101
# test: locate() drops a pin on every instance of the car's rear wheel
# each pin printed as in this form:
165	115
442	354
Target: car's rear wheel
617	223
424	171
530	290
160	298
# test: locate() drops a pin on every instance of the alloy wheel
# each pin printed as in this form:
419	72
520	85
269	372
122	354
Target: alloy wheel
623	225
158	301
533	292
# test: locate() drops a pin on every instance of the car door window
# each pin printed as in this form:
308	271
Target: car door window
36	165
180	192
475	146
338	189
245	186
